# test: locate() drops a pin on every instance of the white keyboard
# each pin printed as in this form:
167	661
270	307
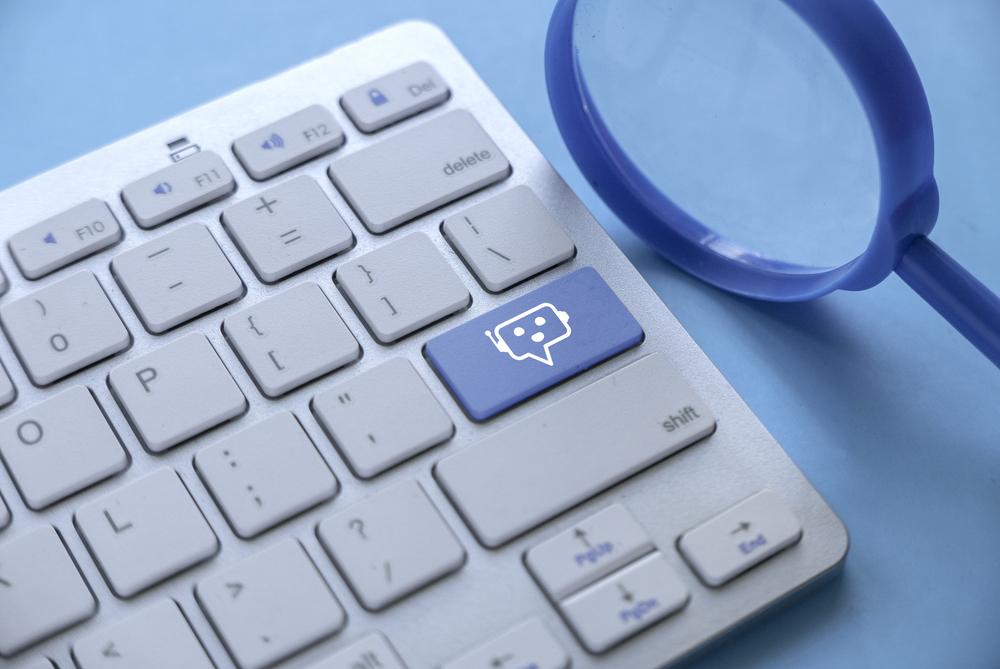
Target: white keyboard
336	372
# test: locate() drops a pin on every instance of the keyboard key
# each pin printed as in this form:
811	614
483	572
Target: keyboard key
625	603
372	651
8	393
38	663
391	545
178	189
4	284
177	277
4	514
592	549
64	327
291	339
287	228
381	417
65	238
418	170
265	474
59	447
41	590
523	475
508	238
288	142
158	637
176	392
402	286
725	546
528	644
532	343
146	532
394	97
270	605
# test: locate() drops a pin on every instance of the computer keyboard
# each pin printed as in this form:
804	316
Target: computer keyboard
336	372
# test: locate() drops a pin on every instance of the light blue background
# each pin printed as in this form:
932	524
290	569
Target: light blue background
888	411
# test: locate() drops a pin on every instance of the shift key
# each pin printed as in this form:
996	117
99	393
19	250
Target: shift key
419	170
530	471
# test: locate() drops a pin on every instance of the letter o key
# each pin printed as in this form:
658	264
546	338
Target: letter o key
30	432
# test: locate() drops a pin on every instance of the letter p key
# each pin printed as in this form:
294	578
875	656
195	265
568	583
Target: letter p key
146	375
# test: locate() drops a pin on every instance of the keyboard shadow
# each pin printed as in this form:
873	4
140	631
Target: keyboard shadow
835	368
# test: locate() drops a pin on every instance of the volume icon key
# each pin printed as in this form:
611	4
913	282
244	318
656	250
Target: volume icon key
275	141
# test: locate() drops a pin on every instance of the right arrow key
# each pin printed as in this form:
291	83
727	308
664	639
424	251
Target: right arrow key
726	545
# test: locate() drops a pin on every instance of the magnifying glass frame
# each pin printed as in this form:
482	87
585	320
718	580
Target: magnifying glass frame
872	55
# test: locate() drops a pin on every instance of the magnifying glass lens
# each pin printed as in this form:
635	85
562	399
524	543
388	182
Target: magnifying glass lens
740	115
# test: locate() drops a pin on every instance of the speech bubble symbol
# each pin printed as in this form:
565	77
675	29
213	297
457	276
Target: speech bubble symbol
532	333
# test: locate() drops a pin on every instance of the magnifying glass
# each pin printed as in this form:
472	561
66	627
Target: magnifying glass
778	149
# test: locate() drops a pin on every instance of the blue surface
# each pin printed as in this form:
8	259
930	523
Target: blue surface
532	343
886	408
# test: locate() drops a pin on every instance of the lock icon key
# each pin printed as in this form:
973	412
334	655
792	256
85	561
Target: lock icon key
377	97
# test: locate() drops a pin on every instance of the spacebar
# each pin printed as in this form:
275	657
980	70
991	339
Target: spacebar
533	470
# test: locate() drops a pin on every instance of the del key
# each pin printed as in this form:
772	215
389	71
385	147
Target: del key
421	169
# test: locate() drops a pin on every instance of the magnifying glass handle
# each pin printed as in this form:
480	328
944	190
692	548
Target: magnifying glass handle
966	303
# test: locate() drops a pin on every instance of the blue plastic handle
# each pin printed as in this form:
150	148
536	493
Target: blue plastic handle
966	303
874	58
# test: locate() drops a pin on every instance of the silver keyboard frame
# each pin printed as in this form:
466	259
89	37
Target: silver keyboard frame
493	591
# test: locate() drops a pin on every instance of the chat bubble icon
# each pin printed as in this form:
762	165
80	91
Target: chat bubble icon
532	333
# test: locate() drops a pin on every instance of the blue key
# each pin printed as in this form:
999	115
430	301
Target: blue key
532	343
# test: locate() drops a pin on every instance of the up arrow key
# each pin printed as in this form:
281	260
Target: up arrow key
110	650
